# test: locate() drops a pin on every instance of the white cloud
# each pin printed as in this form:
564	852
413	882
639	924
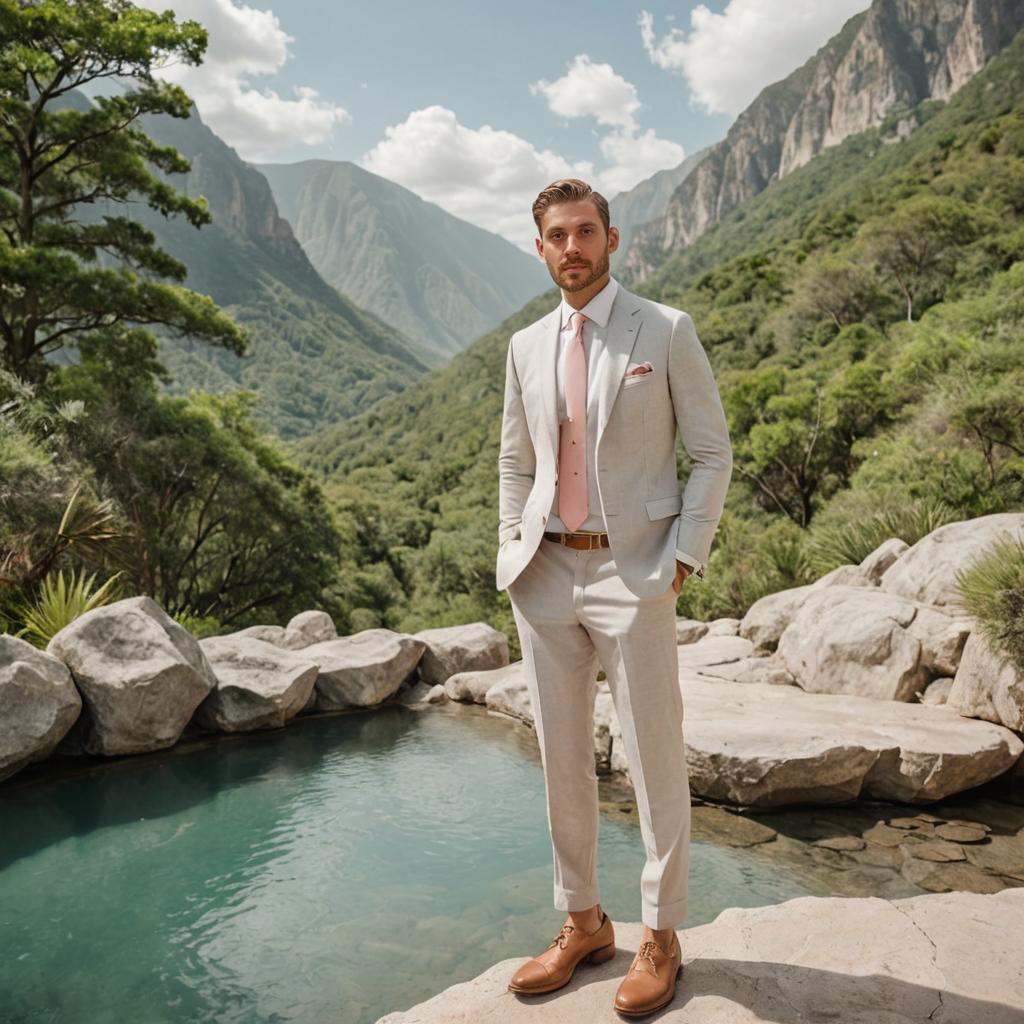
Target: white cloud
484	175
632	158
245	42
591	89
728	58
597	90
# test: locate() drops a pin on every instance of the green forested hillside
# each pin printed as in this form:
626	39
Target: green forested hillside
314	358
864	316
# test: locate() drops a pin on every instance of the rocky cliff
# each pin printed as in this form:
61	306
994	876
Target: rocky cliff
887	59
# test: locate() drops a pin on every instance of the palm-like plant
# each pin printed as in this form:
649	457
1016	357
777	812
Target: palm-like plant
60	602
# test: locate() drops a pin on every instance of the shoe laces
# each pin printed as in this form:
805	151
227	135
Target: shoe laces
646	951
562	937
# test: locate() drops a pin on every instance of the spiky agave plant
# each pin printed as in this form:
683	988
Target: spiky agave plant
992	593
60	602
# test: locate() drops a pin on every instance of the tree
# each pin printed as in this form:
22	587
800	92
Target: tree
919	243
61	152
795	435
222	524
834	288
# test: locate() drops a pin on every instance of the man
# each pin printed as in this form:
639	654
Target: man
595	541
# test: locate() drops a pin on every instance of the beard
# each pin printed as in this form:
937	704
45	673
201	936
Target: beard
562	279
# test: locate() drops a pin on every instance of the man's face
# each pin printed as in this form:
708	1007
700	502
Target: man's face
574	244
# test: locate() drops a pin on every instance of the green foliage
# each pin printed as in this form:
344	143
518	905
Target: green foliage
57	156
992	593
850	425
60	602
849	537
220	523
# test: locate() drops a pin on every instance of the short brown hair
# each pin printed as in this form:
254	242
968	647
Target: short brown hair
566	190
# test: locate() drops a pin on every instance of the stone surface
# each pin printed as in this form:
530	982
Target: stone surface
452	649
38	704
723	627
363	669
259	685
271	634
419	692
869	643
927	571
764	746
962	833
842	843
736	829
511	696
844	576
951	957
714	650
1003	855
937	691
306	628
768	670
936	851
760	745
472	686
140	674
948	876
767	617
988	685
875	564
689	630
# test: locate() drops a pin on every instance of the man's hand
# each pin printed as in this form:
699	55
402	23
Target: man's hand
682	571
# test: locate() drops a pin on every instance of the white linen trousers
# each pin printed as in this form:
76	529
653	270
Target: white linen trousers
573	612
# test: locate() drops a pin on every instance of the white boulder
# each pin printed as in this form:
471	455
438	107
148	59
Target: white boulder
141	676
926	572
38	704
452	649
259	685
363	669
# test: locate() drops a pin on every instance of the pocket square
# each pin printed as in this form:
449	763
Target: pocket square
639	369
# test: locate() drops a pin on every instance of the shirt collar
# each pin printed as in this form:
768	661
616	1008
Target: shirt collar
598	309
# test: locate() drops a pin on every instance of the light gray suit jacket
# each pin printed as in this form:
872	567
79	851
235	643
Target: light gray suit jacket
646	516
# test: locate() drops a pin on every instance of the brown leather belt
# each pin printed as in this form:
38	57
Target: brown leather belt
581	541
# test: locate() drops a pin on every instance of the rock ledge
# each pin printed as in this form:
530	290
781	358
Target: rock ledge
951	958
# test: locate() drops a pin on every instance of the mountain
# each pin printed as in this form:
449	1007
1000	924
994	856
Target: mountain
648	200
314	357
883	61
415	479
439	280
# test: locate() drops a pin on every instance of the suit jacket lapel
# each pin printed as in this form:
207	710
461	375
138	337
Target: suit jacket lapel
620	337
547	352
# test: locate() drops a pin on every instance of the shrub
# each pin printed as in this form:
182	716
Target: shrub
60	602
992	593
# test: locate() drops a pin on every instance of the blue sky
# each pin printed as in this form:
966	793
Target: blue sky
476	106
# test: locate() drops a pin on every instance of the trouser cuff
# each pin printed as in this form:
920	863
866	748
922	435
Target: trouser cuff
671	915
576	899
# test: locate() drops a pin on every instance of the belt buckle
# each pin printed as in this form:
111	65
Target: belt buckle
590	535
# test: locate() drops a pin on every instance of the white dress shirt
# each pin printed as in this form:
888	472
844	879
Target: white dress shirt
597	312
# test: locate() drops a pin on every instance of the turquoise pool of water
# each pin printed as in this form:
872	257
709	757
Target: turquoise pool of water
336	870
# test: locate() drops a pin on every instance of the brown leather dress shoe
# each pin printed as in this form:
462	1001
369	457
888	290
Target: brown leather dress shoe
555	966
650	982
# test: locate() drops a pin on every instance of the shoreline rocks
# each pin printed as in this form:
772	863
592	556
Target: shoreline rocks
40	704
140	674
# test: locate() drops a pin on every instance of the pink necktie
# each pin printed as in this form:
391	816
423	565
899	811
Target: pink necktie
572	437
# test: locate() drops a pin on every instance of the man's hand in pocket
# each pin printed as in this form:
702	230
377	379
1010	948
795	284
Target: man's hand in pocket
682	571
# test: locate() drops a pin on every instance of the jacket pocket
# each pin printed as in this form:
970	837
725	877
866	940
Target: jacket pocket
659	508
